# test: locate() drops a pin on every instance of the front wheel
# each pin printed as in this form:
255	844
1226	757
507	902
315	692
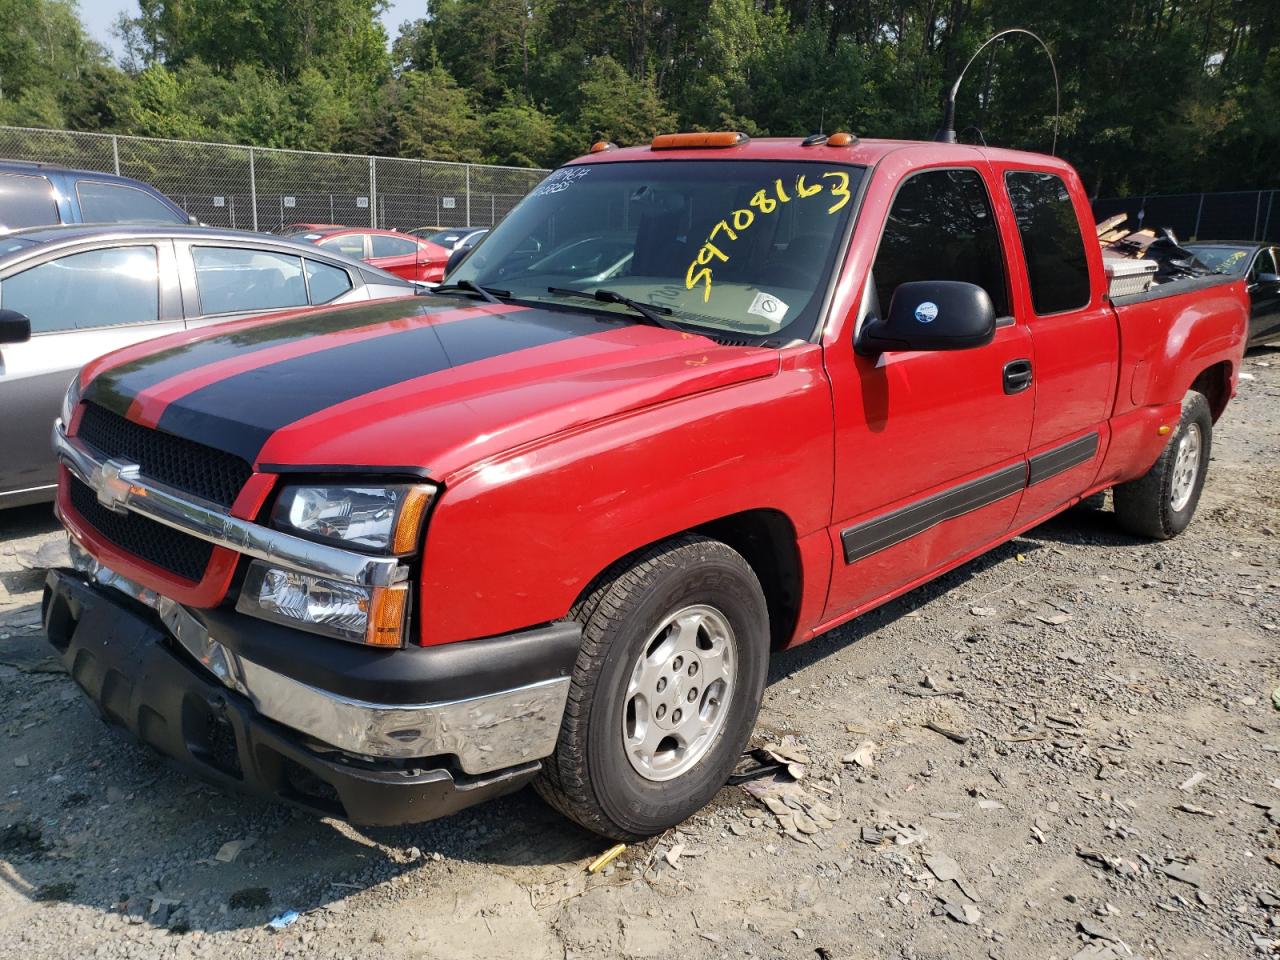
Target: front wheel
665	691
1161	502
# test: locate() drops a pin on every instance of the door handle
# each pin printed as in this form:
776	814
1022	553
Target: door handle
1017	376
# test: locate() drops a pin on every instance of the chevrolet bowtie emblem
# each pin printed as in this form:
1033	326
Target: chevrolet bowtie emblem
113	480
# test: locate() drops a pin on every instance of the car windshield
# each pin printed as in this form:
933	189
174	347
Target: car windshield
444	236
1222	258
743	247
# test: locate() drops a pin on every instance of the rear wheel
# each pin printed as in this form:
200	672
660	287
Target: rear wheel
1161	502
665	689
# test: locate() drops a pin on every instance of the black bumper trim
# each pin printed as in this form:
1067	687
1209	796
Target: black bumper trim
123	659
450	671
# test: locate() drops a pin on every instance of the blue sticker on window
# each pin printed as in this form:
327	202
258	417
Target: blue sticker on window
927	311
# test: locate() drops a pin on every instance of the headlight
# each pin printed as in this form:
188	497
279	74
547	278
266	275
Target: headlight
70	400
372	615
387	519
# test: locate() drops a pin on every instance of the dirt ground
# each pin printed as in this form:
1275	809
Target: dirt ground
1117	792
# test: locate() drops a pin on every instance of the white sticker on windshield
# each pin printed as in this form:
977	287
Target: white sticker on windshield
768	306
561	180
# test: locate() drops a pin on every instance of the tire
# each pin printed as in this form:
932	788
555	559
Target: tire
1161	502
628	792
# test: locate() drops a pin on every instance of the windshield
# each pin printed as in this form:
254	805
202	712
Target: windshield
1222	259
738	246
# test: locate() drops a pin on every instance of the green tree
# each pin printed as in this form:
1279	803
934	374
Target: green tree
341	38
520	135
619	107
430	117
51	73
157	106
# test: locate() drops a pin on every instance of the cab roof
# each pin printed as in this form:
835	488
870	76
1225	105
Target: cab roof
863	152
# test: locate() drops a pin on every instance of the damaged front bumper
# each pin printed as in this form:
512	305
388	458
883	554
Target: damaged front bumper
374	737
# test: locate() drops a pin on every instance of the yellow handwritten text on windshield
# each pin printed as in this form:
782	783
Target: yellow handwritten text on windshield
763	202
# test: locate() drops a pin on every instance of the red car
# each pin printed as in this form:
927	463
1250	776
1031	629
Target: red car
548	522
406	256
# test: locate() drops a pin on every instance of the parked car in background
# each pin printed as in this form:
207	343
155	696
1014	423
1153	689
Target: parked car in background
452	238
41	194
88	290
1259	264
290	229
400	253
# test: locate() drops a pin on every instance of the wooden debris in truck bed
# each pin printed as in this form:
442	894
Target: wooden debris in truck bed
1111	223
1133	244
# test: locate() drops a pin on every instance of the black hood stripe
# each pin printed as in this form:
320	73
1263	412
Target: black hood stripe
239	414
116	387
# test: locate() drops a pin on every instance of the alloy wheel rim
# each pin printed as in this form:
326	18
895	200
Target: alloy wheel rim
679	692
1186	466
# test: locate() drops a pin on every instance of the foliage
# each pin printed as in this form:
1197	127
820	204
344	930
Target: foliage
1158	95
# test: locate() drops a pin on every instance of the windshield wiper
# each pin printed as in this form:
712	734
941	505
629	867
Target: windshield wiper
466	286
651	312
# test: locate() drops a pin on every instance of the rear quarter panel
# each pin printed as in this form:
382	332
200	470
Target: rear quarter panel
516	539
1165	345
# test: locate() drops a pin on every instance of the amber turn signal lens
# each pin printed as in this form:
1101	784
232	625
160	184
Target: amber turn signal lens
686	141
409	523
841	140
386	616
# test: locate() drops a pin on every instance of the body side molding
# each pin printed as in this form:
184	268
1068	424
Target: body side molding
901	524
1055	461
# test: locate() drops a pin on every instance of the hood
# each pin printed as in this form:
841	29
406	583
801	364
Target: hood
426	383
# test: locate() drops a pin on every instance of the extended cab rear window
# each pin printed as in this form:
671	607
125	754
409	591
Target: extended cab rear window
1051	241
742	247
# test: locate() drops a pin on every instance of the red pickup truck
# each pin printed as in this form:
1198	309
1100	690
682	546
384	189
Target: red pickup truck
688	404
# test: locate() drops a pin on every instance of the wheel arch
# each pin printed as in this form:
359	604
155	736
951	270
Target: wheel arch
1215	383
766	538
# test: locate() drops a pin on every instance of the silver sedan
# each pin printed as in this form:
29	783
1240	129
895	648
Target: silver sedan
87	290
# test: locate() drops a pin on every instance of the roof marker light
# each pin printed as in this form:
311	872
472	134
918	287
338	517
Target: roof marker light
600	146
694	141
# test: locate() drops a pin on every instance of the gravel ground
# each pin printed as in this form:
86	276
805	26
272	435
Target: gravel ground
1066	749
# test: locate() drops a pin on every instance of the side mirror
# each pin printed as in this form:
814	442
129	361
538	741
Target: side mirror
455	258
14	327
931	315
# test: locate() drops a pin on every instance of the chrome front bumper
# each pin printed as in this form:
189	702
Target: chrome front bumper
485	733
120	488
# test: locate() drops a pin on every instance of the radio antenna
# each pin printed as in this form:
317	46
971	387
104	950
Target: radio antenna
947	132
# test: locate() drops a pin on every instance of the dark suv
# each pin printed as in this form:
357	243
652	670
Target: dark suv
39	194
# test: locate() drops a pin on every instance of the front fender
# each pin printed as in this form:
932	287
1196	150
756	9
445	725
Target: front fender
515	540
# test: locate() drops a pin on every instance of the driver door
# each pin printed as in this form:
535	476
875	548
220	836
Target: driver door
930	445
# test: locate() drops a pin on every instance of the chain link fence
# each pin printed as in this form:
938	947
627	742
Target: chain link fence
1240	215
262	188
